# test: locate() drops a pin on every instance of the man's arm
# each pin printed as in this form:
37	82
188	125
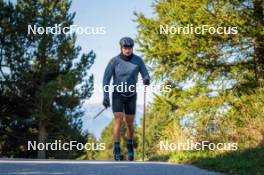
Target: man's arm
107	77
144	72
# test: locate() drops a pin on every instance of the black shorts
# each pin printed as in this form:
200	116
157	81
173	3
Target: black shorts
124	104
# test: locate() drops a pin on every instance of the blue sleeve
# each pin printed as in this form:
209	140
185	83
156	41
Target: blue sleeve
107	77
143	70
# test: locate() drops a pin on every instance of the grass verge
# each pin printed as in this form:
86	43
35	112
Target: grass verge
242	162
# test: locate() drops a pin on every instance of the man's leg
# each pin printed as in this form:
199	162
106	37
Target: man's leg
130	133
130	110
117	125
130	126
117	129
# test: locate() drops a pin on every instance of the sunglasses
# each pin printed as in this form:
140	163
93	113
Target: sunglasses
127	46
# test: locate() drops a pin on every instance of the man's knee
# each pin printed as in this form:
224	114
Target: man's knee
118	117
130	120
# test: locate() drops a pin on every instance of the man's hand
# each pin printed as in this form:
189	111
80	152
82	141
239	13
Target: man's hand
146	82
106	102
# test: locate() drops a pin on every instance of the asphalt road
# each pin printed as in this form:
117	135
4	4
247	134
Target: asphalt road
61	167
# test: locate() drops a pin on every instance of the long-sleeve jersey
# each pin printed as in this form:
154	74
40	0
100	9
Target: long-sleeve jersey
124	72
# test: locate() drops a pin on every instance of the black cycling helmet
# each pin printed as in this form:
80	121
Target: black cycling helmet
126	42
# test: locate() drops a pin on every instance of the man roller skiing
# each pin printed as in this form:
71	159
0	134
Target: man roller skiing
124	68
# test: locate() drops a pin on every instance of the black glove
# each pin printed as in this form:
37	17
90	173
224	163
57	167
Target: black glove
106	102
146	82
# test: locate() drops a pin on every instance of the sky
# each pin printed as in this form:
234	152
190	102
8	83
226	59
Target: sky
117	17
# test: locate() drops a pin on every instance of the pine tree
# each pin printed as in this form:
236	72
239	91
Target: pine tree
46	71
208	72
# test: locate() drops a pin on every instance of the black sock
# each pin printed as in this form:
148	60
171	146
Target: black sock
130	145
130	141
117	144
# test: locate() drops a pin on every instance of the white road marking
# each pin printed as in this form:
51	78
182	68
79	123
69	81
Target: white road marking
77	162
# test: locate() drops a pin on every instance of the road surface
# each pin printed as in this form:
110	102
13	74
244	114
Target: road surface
67	167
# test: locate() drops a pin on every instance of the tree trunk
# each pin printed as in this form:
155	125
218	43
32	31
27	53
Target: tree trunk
259	42
41	139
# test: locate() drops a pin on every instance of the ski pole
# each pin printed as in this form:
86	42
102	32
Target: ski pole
143	127
100	112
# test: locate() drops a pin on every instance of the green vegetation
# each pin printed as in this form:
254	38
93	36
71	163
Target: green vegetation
247	161
217	82
43	79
